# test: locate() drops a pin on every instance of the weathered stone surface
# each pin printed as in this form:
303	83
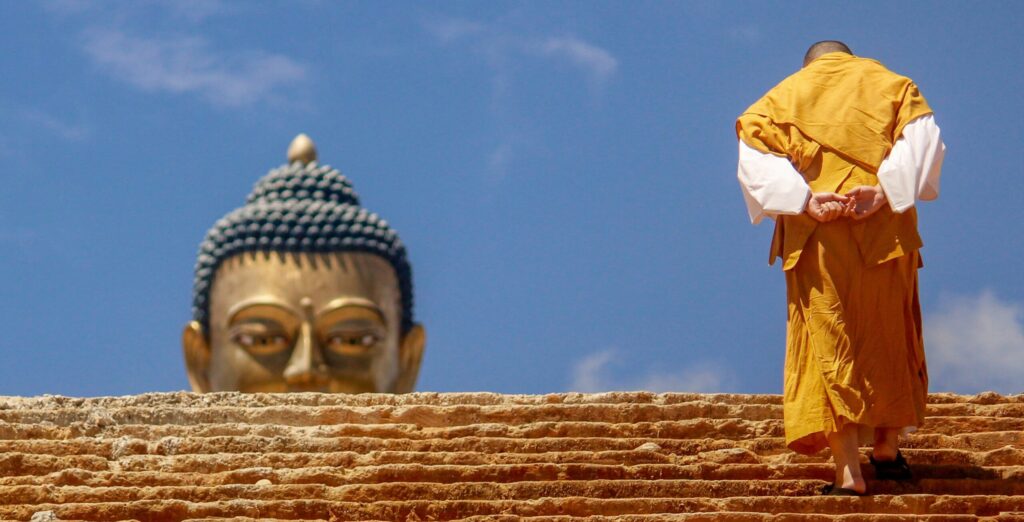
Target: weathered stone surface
481	456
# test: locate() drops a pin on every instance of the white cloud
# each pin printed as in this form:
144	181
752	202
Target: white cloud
499	44
190	10
194	10
68	7
63	129
448	30
189	65
589	57
499	161
504	52
593	374
747	33
589	374
976	343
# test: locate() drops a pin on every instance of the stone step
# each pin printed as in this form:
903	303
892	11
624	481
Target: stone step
482	456
125	447
1005	477
688	517
419	415
937	463
335	476
236	445
952	425
234	399
740	517
986	440
186	400
159	510
247	519
530	489
996	445
232	453
936	428
411	491
747	517
965	409
683	429
739	429
443	416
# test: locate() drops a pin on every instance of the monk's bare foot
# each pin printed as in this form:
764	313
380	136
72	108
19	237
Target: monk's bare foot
846	456
845	480
849	477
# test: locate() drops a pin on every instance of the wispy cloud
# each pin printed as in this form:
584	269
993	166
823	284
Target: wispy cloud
448	30
505	52
595	373
169	56
589	373
493	40
190	65
195	10
976	343
68	7
57	126
591	58
499	160
190	10
746	33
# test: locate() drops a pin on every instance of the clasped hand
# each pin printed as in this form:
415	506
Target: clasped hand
859	203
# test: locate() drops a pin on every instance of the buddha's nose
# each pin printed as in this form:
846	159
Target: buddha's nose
306	368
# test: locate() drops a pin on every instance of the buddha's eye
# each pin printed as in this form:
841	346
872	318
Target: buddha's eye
351	342
261	343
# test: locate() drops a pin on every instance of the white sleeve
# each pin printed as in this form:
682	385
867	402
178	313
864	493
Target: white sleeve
771	186
912	169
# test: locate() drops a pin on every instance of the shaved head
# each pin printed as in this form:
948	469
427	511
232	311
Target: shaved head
825	47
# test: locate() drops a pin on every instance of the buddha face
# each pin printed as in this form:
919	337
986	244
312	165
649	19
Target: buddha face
304	322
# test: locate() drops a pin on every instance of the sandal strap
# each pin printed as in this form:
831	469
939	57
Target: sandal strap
896	469
831	490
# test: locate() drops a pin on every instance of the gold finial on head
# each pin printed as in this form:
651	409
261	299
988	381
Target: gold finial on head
302	149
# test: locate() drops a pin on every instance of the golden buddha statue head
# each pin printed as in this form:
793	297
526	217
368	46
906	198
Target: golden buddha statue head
302	289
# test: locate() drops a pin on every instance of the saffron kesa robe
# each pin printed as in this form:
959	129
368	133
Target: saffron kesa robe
854	352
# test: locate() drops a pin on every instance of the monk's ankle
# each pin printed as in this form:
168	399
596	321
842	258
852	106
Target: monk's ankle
847	478
857	484
887	444
884	453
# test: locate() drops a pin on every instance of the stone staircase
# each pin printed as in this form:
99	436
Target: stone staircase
481	456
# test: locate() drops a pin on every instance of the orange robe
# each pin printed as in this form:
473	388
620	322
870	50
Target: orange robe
854	351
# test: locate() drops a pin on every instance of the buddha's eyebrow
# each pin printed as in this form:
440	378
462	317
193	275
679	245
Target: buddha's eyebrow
259	301
352	302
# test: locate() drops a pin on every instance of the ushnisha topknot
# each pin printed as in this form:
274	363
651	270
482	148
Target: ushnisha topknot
301	207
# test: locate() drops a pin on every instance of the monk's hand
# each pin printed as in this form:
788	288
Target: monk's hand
827	206
868	199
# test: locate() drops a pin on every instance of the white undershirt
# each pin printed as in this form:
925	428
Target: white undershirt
772	187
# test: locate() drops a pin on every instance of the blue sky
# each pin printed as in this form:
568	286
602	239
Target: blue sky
563	175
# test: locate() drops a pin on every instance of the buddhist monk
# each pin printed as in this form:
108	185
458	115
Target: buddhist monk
837	154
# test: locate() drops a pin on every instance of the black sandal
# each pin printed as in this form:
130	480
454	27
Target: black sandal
830	490
896	469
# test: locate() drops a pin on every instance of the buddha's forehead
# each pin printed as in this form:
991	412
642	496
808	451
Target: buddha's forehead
289	278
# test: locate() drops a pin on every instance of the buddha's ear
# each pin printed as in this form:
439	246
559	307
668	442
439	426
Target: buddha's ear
410	354
197	356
